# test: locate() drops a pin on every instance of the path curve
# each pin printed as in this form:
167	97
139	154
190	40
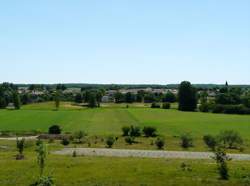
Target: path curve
145	153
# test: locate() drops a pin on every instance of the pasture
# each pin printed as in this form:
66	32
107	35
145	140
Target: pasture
109	119
107	171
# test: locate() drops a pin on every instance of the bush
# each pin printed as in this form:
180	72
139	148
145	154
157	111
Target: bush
221	160
20	147
74	154
186	140
149	131
125	131
55	129
166	105
110	141
155	105
204	107
135	131
129	140
160	143
230	139
79	135
230	109
210	141
65	141
44	181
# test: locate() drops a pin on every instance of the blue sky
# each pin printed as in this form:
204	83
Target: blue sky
125	41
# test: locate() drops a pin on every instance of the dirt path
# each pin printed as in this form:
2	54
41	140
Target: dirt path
144	153
20	137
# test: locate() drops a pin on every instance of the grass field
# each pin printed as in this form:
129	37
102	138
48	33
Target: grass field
104	171
109	120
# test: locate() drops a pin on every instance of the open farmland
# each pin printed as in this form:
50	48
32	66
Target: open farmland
109	120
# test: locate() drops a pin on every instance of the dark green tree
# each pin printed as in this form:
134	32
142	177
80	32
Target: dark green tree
57	99
187	97
16	100
169	97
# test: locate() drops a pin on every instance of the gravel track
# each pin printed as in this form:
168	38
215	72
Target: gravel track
20	137
145	153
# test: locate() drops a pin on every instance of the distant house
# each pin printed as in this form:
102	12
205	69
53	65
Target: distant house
10	106
107	99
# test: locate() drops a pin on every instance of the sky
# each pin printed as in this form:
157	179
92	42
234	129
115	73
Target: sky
125	41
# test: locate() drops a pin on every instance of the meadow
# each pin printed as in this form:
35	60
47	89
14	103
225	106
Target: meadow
109	119
108	171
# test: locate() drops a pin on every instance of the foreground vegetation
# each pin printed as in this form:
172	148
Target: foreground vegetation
101	171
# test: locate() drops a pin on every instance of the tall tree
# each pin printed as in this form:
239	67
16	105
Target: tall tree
187	97
16	100
57	99
92	100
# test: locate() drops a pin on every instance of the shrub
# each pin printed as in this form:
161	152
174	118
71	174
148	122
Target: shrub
65	141
74	154
231	109
149	131
20	147
160	143
204	107
129	140
210	141
125	131
41	157
221	160
44	181
110	141
155	105
135	131
166	105
79	135
186	140
230	139
55	129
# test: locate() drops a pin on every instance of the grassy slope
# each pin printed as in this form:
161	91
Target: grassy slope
94	171
104	121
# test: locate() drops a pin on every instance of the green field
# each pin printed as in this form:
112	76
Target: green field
104	171
107	171
109	120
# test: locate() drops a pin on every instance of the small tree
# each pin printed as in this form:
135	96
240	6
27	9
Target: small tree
65	141
221	160
125	130
79	135
41	157
166	105
20	147
110	141
129	140
57	99
55	129
230	139
155	105
149	131
186	140
160	143
135	131
210	141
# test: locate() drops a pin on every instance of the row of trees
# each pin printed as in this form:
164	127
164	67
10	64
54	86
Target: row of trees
145	97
